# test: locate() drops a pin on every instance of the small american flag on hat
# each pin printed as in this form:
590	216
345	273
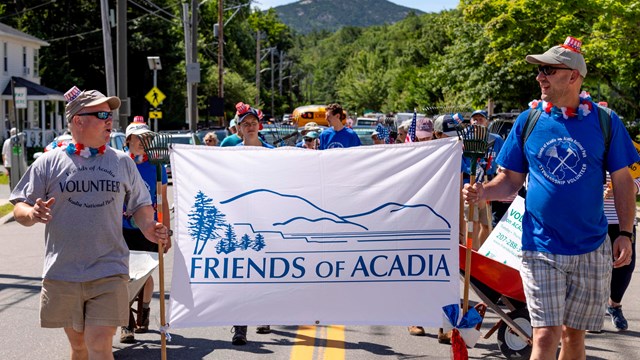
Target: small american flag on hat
572	44
411	134
72	94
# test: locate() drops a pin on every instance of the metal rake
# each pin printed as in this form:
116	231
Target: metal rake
475	139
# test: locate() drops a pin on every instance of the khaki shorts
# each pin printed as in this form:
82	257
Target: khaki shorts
479	215
101	302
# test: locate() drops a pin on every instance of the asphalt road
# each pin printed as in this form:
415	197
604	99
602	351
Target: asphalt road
21	254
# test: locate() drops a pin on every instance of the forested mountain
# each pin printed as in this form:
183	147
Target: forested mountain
308	15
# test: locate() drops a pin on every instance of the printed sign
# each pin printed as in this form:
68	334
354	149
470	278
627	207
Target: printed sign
504	244
20	94
155	97
365	235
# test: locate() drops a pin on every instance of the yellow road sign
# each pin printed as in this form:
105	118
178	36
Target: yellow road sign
155	114
155	96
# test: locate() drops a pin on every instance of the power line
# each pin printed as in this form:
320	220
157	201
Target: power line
25	10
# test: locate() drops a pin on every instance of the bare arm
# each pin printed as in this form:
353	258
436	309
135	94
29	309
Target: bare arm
28	215
152	230
624	191
505	184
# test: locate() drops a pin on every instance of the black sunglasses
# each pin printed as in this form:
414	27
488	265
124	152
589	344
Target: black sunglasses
308	139
102	115
549	70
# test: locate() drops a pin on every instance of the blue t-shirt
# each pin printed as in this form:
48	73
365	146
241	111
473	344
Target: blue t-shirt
564	158
148	173
264	144
231	140
344	138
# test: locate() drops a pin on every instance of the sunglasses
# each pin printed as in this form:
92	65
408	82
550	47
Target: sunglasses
102	115
549	70
309	140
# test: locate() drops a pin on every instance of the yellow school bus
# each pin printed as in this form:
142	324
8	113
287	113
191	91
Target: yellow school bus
310	113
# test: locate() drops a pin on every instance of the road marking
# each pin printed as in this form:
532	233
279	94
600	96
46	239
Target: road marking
305	343
328	340
334	349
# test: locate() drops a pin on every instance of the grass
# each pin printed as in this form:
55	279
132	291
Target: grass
5	209
4	179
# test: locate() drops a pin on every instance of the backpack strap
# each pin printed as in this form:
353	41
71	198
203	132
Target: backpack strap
529	124
604	116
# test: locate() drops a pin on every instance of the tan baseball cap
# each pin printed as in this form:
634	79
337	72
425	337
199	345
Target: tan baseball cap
78	100
568	54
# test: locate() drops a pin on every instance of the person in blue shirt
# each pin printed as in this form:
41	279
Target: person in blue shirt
566	257
337	136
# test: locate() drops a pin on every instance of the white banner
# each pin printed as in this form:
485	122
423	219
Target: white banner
365	235
504	244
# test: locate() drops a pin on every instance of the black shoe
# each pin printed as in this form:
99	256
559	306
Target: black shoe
144	327
126	336
239	335
263	329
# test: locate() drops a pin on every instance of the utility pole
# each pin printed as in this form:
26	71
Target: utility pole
258	58
125	106
272	88
187	53
108	55
193	124
221	54
280	72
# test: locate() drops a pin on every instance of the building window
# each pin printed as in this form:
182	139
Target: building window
5	58
24	56
36	62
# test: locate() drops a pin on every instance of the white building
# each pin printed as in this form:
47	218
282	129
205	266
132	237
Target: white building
43	117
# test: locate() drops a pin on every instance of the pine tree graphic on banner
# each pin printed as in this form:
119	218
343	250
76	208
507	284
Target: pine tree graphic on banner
205	221
227	243
245	242
258	243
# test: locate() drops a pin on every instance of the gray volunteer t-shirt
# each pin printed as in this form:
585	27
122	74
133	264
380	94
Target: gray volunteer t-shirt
83	240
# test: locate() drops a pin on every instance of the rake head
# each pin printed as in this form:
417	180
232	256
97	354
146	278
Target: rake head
157	148
475	139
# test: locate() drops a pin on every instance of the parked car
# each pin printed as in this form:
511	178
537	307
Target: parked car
181	137
221	133
366	121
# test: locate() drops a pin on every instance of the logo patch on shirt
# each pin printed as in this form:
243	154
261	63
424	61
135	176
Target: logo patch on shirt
561	160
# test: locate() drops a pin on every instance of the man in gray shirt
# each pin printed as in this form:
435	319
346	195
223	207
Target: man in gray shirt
78	190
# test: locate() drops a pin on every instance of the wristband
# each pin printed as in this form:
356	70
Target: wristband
627	234
169	232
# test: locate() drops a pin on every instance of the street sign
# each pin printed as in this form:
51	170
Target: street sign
20	94
155	114
155	96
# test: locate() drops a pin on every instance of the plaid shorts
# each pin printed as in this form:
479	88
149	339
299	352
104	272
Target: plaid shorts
569	290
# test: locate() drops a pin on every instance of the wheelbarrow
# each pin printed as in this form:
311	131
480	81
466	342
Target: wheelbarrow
493	281
141	266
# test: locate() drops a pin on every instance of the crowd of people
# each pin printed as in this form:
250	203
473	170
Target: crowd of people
577	243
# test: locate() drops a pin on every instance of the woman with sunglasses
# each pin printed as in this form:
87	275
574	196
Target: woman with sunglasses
211	139
310	140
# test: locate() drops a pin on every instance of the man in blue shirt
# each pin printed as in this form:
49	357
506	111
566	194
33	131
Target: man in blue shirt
338	136
566	257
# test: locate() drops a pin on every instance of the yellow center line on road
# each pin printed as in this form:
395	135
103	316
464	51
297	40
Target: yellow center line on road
329	341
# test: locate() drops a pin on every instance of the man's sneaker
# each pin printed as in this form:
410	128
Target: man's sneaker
617	318
239	335
263	329
416	331
126	335
144	327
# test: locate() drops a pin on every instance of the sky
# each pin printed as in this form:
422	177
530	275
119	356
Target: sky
424	5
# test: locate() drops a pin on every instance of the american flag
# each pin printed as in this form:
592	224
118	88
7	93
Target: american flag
383	133
411	134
